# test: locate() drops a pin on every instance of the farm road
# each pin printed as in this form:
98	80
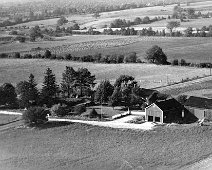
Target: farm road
112	124
119	123
185	84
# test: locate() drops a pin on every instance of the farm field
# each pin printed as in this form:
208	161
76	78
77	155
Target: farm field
86	20
60	42
78	146
148	75
193	50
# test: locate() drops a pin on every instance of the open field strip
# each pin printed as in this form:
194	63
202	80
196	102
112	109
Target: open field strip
147	75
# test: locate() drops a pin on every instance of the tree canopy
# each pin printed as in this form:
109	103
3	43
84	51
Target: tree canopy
172	24
103	92
50	88
62	21
68	80
156	55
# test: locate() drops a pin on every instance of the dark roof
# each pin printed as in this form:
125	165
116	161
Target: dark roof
168	104
146	92
199	102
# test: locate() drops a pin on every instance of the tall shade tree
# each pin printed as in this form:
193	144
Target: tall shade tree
50	88
103	92
84	80
27	92
115	99
33	91
123	79
62	21
172	24
156	55
68	80
8	94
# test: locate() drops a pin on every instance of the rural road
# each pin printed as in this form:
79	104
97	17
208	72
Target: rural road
119	123
185	84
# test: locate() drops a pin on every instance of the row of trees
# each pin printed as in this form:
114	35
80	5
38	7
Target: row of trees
119	23
26	94
154	54
183	62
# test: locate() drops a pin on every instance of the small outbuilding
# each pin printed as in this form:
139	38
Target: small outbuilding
200	107
166	111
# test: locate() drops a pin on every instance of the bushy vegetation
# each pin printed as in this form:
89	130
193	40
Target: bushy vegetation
59	110
35	116
79	109
121	23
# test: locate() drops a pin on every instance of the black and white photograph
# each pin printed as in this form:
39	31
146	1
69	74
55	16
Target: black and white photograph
105	85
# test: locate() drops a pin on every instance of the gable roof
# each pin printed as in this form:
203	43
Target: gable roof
169	104
199	102
144	93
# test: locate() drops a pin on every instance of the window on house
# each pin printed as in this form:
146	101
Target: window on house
150	118
157	119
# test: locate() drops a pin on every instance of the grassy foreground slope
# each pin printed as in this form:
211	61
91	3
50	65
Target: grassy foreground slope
78	147
148	75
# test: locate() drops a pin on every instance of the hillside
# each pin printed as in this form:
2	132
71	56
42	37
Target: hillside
76	146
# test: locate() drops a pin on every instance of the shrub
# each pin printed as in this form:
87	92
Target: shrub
94	114
175	62
35	116
17	55
68	57
58	110
3	55
47	54
80	108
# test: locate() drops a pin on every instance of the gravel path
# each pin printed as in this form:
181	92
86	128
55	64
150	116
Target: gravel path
10	113
112	124
118	123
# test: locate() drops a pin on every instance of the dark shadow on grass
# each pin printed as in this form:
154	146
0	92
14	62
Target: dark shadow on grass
53	124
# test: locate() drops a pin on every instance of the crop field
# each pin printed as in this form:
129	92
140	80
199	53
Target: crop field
77	146
148	75
60	42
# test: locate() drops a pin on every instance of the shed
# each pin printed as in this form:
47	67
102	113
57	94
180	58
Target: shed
200	107
166	111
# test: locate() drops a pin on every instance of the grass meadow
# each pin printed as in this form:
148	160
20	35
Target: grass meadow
148	75
78	146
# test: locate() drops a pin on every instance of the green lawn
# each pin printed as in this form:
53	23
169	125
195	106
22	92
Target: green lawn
77	146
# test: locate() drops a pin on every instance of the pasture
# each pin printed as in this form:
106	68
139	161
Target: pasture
79	146
148	75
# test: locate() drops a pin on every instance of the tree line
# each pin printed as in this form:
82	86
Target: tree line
154	54
119	23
